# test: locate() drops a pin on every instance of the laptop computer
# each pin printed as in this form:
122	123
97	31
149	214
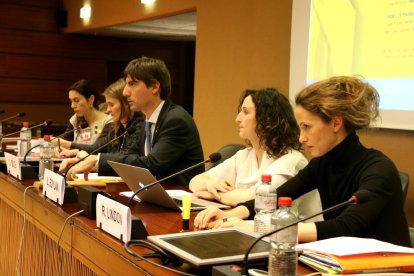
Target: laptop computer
137	177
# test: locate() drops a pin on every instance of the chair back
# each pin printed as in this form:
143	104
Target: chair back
226	151
411	229
405	183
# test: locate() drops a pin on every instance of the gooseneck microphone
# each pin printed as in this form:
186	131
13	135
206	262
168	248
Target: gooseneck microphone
69	190
21	114
84	125
358	197
97	150
213	158
45	123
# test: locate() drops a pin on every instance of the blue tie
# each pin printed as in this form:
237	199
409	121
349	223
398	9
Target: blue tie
148	137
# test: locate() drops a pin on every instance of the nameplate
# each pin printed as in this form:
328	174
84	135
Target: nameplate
54	186
13	165
113	217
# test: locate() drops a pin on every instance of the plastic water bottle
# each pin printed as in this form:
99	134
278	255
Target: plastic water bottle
264	205
46	155
25	138
283	256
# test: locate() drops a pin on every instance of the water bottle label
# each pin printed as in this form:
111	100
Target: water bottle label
265	202
46	152
25	136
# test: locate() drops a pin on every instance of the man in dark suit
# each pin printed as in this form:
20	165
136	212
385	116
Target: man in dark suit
172	141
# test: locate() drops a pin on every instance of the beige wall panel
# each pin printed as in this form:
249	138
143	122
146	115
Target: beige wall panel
240	44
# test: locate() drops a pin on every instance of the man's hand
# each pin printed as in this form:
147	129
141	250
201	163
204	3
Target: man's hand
86	166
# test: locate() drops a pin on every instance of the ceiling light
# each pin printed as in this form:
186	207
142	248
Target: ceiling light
147	1
85	12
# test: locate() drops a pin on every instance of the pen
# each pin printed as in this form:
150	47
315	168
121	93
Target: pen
59	149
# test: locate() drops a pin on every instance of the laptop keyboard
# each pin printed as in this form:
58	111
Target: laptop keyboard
180	203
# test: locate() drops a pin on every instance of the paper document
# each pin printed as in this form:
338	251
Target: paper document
346	255
96	177
171	193
343	246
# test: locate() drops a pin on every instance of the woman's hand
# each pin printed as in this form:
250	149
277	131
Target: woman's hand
214	187
208	215
65	153
226	223
214	218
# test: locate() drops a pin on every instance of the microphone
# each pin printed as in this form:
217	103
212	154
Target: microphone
87	194
98	149
45	123
83	125
69	190
2	111
358	197
213	158
21	114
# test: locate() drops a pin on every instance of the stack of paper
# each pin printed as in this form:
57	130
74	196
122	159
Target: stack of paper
347	255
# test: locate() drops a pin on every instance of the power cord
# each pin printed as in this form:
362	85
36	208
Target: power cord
60	237
20	253
165	257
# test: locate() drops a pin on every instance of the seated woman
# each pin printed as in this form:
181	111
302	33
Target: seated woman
267	124
328	113
124	122
84	102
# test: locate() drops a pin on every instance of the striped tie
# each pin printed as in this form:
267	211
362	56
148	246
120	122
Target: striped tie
148	137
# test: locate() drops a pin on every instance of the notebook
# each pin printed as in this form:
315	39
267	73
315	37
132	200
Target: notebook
348	255
137	177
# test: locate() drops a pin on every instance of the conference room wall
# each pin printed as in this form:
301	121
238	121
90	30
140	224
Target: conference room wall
244	44
39	62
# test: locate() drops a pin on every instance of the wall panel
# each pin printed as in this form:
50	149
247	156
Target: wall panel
38	62
28	17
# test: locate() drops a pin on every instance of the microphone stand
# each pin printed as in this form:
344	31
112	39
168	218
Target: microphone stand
168	177
72	195
352	200
25	156
94	151
21	114
45	123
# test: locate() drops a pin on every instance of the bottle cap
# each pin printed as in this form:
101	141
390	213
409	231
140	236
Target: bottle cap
25	124
284	201
266	178
46	137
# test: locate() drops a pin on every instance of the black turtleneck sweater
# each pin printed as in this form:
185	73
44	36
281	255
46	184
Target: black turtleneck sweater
341	172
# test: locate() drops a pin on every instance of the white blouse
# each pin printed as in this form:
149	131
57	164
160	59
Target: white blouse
243	171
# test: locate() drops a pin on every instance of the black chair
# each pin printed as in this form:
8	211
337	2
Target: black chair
226	152
411	229
405	183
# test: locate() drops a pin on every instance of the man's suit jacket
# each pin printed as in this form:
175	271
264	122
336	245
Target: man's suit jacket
176	146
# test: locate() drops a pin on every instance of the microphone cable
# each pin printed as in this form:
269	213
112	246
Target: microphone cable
20	254
358	197
60	237
158	251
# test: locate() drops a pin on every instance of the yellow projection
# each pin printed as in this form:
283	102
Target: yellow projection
374	39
